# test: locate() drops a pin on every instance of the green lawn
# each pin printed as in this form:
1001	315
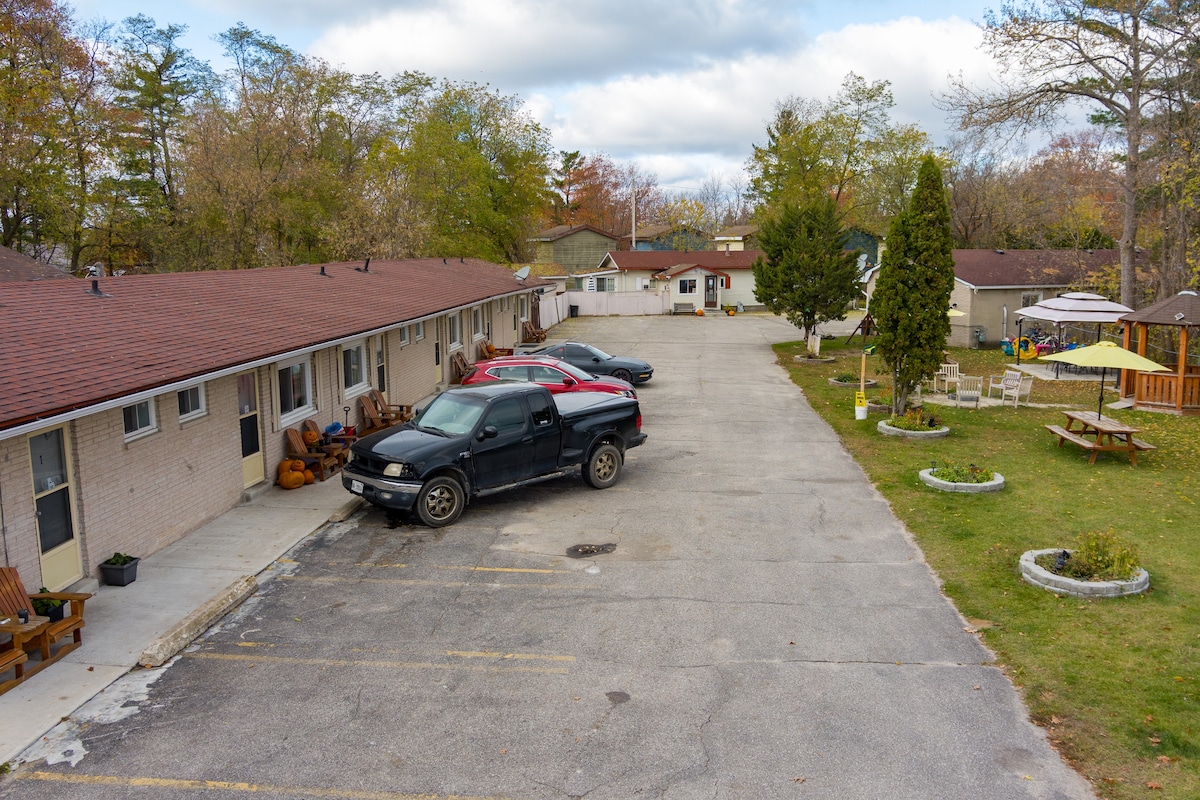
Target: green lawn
1115	683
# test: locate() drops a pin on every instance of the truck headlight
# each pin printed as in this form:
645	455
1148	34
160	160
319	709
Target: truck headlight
398	469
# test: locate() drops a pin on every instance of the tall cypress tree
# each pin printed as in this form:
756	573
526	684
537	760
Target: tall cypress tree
807	275
912	293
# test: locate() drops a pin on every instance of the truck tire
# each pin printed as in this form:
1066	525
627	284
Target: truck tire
441	502
603	467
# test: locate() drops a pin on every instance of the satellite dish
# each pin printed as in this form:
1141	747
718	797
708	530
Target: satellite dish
522	273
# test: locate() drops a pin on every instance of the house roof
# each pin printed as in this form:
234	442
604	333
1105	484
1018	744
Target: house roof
68	349
16	266
736	232
1032	268
682	268
1181	310
659	260
561	231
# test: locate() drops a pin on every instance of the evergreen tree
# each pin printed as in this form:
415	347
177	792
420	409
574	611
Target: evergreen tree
912	293
807	275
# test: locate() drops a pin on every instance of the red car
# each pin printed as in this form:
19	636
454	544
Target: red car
557	376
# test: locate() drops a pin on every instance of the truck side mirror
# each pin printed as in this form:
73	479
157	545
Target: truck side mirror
488	432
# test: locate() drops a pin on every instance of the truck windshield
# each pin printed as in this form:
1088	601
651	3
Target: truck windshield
451	413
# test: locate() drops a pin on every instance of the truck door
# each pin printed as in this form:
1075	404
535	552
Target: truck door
508	456
547	437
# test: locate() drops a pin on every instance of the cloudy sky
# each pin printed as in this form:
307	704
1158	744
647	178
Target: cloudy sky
682	87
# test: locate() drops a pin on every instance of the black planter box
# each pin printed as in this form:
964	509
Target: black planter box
120	576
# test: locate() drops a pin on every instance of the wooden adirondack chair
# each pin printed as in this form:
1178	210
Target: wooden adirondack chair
532	334
390	412
460	365
488	351
372	420
337	445
14	659
319	461
40	634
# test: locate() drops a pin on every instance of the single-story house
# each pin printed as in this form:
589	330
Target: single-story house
990	285
575	247
736	238
704	278
134	409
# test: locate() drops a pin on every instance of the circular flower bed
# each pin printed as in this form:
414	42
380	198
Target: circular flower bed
915	424
811	360
993	484
852	383
1061	584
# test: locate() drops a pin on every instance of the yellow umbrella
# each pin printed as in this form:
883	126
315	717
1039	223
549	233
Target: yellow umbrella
1105	355
954	312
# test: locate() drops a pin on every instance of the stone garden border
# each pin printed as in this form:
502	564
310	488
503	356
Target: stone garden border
1059	584
868	385
994	485
932	433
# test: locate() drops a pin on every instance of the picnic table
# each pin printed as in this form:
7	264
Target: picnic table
1097	433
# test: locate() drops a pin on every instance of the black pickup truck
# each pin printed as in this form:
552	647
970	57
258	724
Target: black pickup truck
480	439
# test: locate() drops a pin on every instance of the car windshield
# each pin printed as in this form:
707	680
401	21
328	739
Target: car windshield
575	372
596	351
451	413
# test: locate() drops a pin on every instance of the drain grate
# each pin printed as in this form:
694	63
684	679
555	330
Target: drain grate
585	550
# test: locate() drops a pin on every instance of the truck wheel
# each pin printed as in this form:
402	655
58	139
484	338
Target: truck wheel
603	468
441	502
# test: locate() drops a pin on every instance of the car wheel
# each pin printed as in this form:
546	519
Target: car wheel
623	375
441	502
603	468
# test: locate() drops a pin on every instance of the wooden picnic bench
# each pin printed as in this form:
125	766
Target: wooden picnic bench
1106	435
40	634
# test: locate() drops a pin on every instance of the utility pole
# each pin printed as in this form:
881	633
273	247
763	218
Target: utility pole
633	211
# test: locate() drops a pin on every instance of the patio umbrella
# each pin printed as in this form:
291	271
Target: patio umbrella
1105	355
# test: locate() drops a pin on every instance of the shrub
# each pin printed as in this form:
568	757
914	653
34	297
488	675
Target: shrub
846	377
961	473
118	559
1098	556
915	419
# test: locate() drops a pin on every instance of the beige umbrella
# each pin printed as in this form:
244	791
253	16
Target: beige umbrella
1106	355
954	312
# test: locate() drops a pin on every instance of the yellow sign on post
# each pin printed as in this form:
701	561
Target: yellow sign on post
860	399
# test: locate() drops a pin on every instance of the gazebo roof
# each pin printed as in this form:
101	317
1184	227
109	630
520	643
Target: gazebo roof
1182	310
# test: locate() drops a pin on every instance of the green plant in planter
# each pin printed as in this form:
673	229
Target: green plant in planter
118	559
1098	556
961	473
846	377
915	419
42	607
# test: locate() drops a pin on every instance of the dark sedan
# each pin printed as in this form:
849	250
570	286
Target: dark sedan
596	361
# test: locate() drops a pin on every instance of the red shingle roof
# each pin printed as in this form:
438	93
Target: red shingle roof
66	348
658	260
1029	267
16	266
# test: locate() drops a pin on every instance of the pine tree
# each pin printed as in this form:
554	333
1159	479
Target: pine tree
912	293
807	275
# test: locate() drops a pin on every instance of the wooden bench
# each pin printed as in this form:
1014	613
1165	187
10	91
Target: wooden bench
1065	435
487	351
14	658
684	308
1140	445
318	459
532	334
40	633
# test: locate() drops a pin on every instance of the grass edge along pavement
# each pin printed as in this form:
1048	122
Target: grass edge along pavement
1114	682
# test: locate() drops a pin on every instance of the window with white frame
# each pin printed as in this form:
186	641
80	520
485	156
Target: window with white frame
477	322
687	285
606	284
418	331
191	402
523	307
723	281
295	390
454	330
139	419
380	365
354	368
404	335
1030	299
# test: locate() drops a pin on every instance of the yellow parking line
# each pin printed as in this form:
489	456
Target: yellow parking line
339	662
516	656
238	786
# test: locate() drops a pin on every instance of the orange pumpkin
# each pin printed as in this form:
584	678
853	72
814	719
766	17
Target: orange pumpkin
311	437
285	466
298	465
308	476
291	480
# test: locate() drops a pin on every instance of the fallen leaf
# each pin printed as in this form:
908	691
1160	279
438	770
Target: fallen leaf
503	750
1153	785
799	779
1154	740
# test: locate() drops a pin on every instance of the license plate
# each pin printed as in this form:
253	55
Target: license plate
356	487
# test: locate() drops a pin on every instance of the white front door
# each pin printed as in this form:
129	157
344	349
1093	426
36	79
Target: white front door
248	423
54	503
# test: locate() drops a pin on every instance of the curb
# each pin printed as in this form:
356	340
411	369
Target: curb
162	649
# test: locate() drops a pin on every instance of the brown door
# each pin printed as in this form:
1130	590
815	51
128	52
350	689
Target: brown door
710	291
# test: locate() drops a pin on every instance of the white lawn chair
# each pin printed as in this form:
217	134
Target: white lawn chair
1010	378
968	390
947	374
1019	390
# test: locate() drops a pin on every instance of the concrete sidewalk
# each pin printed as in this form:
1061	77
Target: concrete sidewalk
179	592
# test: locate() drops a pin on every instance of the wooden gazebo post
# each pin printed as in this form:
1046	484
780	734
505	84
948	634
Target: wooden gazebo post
1183	331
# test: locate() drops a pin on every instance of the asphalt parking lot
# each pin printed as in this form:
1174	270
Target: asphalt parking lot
763	628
